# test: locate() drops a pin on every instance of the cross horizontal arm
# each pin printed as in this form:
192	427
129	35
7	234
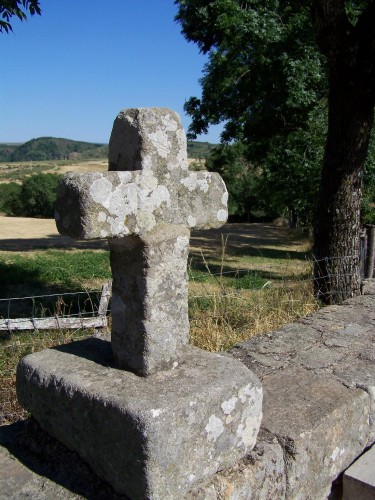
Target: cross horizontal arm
117	204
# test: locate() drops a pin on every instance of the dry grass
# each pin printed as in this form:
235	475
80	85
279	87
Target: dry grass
16	171
220	316
222	320
223	314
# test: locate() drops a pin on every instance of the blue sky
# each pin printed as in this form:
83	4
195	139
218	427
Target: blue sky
68	72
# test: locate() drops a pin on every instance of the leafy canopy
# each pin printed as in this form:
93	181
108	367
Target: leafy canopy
267	81
18	8
263	75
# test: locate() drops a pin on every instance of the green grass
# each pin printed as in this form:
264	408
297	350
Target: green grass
50	272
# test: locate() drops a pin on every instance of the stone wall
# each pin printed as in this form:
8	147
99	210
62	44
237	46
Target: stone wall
318	376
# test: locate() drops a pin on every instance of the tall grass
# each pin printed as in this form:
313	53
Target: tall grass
228	307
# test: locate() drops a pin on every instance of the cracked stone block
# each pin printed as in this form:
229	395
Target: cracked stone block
317	421
259	476
149	437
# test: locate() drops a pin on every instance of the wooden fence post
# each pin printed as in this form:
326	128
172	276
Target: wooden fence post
370	251
104	299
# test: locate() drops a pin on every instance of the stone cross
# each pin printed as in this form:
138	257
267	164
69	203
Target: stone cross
145	206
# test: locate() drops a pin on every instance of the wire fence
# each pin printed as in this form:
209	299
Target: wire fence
59	310
328	276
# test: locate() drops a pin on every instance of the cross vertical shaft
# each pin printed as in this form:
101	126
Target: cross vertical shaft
150	320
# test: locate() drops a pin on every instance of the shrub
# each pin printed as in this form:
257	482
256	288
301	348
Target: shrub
9	197
35	198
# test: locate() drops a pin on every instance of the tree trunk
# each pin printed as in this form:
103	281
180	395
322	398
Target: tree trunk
350	53
337	225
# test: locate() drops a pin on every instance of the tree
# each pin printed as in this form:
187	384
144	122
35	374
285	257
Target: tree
241	178
18	8
292	168
349	48
269	63
368	204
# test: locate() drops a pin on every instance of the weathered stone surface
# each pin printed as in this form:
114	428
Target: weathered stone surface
259	476
318	379
360	373
266	354
151	437
142	135
317	421
150	322
117	204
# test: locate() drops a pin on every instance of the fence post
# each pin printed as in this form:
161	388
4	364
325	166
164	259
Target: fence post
370	252
104	299
363	253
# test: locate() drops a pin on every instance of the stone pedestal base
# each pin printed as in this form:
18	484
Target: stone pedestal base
153	437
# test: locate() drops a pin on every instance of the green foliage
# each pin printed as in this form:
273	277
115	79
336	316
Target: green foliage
6	150
18	8
9	192
52	148
292	168
241	177
266	80
264	73
36	196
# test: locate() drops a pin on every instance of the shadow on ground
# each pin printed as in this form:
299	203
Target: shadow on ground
34	465
54	241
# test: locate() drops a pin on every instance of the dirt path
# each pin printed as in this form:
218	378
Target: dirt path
23	234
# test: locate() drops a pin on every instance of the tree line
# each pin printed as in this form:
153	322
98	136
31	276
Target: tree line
286	183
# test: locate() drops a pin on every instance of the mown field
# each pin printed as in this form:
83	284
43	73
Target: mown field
245	279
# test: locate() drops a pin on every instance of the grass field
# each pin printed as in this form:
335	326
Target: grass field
17	171
244	280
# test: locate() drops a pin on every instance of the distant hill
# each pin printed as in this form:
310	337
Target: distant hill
6	150
52	148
